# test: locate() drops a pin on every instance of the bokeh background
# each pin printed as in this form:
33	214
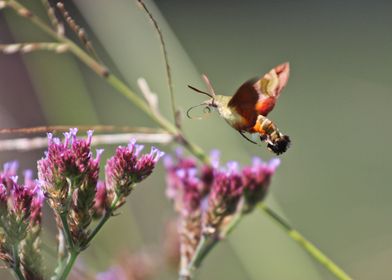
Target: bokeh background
334	184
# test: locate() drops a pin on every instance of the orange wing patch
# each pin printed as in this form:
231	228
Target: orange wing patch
258	96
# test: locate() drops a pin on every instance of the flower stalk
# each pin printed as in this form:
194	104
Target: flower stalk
73	255
101	222
16	265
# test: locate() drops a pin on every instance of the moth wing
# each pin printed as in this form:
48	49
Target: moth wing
272	83
244	100
260	95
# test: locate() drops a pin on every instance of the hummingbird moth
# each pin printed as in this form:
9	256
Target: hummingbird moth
247	109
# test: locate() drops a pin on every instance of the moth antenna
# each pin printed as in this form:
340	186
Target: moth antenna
197	118
209	85
200	91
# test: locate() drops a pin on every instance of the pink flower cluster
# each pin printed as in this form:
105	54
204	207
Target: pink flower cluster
20	204
216	191
69	177
69	167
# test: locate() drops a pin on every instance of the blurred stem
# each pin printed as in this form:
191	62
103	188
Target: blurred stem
16	265
207	242
72	256
306	244
114	81
232	225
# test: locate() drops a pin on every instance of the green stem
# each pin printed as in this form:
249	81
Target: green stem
103	220
232	225
306	244
16	265
66	231
69	264
206	243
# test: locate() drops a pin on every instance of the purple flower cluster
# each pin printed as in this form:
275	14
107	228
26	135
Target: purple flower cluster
127	168
20	204
69	177
208	196
20	220
68	166
216	190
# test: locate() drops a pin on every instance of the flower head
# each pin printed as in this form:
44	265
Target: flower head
67	166
20	204
256	180
208	196
20	220
68	176
126	168
184	186
226	191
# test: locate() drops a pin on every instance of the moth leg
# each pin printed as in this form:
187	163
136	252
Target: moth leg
243	135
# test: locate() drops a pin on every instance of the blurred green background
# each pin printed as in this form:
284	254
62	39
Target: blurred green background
334	184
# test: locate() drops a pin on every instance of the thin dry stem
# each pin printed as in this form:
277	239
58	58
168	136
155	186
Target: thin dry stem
33	47
79	31
28	144
166	58
57	25
65	128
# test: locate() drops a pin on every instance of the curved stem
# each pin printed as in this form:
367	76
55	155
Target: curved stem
306	244
16	265
165	56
